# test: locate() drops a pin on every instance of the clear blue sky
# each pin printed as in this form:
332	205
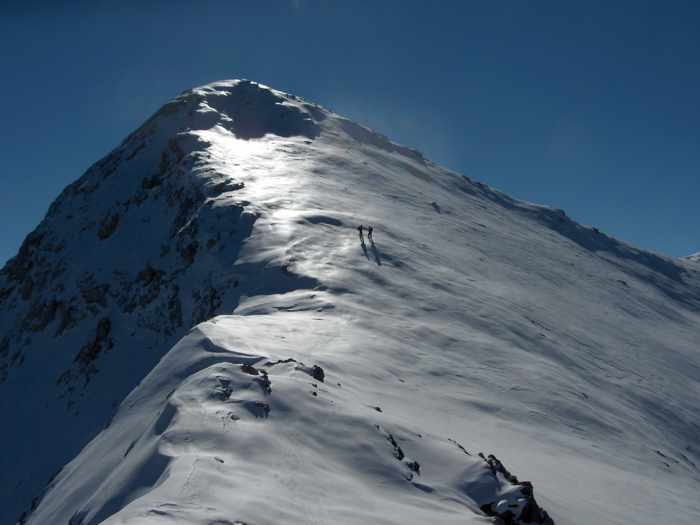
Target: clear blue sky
592	107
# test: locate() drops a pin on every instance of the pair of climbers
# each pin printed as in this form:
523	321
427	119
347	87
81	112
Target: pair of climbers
370	231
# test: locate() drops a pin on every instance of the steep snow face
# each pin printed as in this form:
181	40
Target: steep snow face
470	322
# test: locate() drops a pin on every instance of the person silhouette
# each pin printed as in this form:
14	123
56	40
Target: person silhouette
359	229
370	230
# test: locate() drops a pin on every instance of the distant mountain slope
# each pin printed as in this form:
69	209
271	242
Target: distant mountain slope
472	322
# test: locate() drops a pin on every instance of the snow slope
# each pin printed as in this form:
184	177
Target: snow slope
472	323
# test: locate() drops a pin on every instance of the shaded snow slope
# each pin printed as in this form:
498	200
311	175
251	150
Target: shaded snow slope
472	317
129	257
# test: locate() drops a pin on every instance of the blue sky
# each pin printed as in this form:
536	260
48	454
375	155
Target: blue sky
587	106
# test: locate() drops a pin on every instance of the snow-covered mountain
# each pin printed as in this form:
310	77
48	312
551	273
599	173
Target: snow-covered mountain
196	334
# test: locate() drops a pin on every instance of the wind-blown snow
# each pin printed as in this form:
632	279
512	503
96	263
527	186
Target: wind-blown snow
473	323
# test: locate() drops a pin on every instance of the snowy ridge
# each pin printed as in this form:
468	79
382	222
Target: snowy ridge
472	322
282	438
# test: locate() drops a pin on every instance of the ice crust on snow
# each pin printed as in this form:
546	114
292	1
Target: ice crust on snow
195	334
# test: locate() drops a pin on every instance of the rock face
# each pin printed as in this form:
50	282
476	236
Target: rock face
195	334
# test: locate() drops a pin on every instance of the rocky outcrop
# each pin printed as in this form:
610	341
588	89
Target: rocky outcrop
516	503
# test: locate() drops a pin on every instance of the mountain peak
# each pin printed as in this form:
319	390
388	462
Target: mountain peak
247	109
219	342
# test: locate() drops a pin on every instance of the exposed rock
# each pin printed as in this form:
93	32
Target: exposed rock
188	252
459	445
281	361
148	183
104	326
108	226
518	507
264	381
413	466
149	275
314	371
40	315
226	186
318	373
95	294
398	452
175	307
223	389
87	356
207	303
67	319
27	289
247	368
5	293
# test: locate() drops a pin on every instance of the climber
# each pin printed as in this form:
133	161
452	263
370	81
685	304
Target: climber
369	234
362	238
